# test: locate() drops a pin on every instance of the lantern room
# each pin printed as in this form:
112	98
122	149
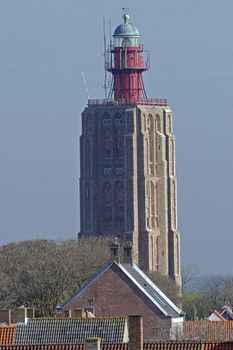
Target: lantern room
126	34
126	62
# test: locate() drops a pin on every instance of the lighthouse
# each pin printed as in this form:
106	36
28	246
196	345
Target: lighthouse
127	63
128	186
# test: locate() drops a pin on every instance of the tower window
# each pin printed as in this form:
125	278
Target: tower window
107	147
119	146
107	143
120	143
119	171
108	212
120	211
107	121
88	219
118	121
107	171
87	191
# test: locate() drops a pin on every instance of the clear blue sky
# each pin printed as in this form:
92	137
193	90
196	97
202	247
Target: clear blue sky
46	44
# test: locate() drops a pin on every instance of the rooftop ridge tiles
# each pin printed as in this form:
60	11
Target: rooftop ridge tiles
156	288
187	341
121	266
76	318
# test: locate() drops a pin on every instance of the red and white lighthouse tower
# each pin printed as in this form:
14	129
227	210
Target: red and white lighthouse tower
128	179
127	63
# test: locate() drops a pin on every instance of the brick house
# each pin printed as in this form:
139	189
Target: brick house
225	315
122	289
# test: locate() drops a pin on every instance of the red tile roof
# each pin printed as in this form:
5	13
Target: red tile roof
7	334
184	345
208	330
173	345
114	346
44	347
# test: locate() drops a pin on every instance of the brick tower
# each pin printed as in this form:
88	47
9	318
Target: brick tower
128	177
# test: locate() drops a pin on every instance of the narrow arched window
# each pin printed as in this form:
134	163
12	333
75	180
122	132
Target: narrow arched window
157	123
177	255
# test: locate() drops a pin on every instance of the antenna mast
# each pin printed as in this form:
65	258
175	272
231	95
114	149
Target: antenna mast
105	62
85	85
110	33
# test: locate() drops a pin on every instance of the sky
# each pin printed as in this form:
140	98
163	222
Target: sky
45	45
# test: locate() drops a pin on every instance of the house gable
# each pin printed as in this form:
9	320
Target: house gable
215	316
113	293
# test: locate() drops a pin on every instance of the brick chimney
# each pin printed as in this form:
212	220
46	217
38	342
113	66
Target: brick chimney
92	343
135	326
128	252
114	248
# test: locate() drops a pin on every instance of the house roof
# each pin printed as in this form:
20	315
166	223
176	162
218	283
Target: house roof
216	313
174	345
47	331
80	346
7	334
208	330
141	281
227	314
151	290
184	345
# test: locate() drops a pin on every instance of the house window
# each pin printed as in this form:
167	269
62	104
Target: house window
90	301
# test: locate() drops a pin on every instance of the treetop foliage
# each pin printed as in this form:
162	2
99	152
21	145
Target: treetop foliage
44	273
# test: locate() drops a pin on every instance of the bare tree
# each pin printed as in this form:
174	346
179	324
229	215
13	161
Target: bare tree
43	273
199	302
212	291
188	273
167	286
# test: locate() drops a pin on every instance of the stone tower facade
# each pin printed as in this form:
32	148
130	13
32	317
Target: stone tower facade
128	186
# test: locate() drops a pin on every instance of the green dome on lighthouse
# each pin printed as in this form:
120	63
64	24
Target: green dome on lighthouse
126	34
126	28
